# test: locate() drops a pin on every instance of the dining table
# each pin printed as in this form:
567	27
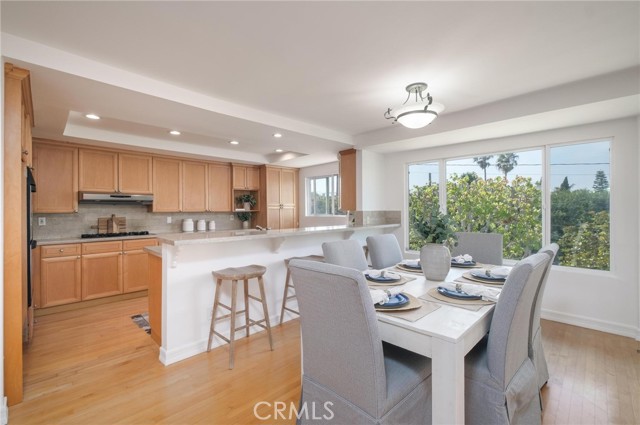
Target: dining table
445	335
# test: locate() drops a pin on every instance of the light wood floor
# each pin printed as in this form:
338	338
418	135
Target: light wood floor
95	366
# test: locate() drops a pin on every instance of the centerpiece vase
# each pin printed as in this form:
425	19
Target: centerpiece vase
435	260
245	224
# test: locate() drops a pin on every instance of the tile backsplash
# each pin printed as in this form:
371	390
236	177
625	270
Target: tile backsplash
138	218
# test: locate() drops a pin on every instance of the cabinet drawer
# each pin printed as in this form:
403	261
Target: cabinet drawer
137	244
98	247
49	251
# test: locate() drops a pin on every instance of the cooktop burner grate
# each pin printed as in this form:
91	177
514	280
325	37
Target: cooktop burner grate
113	235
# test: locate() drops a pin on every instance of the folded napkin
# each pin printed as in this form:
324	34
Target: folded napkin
463	258
487	294
380	296
382	273
411	263
500	272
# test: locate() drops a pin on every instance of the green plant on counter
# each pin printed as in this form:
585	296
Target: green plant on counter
434	227
246	197
244	216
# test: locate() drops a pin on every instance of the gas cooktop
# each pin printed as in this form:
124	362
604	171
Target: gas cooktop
113	235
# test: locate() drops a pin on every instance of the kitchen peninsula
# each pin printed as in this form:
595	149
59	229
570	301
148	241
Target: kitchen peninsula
181	290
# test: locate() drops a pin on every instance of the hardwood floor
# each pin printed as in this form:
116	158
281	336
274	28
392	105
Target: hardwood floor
95	366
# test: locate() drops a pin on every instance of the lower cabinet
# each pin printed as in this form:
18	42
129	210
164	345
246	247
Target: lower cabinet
78	272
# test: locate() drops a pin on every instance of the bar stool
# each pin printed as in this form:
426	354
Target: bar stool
289	285
234	274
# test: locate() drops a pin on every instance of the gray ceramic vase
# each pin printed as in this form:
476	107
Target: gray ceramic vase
435	260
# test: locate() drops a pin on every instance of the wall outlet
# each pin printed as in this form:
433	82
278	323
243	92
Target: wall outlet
230	217
42	221
168	220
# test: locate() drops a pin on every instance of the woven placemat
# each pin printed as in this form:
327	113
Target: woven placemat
402	281
413	304
408	270
474	279
434	296
413	315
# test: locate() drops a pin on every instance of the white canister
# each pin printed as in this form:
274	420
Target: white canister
187	225
212	225
202	225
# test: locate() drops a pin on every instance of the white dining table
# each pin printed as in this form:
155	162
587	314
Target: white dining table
445	335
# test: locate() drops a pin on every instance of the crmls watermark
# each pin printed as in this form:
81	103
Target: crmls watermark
282	410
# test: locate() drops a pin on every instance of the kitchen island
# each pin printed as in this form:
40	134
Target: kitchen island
183	287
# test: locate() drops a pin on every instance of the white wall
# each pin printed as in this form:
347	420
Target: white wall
316	171
608	301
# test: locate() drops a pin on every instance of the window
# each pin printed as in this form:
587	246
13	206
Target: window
503	193
579	192
322	196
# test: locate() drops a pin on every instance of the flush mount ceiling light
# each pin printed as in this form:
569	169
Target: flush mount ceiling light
92	116
279	150
417	113
175	133
277	135
234	142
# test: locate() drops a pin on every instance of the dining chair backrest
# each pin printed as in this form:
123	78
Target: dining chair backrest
384	251
551	250
345	253
342	350
483	247
508	345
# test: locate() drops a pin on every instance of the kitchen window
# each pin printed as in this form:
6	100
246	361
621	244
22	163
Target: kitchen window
323	198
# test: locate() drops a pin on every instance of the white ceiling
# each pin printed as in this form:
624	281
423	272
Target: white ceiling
321	73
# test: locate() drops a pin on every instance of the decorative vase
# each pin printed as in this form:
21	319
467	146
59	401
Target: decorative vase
247	206
245	224
435	260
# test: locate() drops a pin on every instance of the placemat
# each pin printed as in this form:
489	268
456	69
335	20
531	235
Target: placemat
471	277
413	315
463	279
414	303
402	281
408	270
467	266
473	305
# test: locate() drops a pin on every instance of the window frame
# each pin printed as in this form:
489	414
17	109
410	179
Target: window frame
337	212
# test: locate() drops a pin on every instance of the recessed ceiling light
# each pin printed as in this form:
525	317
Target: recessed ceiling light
92	116
279	150
234	142
277	135
174	132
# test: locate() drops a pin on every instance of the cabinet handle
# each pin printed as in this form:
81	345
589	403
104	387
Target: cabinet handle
61	250
25	152
124	253
78	257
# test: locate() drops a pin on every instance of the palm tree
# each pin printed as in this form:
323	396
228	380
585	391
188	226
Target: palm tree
483	162
506	162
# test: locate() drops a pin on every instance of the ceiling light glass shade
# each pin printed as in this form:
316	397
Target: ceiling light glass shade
417	112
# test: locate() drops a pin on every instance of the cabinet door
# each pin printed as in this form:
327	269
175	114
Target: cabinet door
348	180
98	171
101	275
288	187
219	198
252	178
134	173
273	217
239	177
155	298
288	217
273	187
55	169
135	270
60	281
167	185
194	186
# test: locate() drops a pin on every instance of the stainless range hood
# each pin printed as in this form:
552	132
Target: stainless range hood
114	198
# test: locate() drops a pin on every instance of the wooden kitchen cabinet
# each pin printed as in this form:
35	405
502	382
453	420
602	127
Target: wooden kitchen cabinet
246	177
135	265
155	298
219	188
101	269
135	173
60	275
194	186
347	162
55	170
167	185
279	196
98	171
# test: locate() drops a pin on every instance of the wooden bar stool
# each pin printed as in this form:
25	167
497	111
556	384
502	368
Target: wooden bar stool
234	274
289	285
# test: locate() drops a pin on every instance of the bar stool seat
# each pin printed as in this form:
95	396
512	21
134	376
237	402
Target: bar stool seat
234	274
288	285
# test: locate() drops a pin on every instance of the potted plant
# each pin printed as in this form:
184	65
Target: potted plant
244	217
438	233
247	200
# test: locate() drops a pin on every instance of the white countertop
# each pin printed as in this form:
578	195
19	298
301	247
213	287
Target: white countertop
195	238
42	242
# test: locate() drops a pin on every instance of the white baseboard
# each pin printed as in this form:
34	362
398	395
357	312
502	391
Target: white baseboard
591	323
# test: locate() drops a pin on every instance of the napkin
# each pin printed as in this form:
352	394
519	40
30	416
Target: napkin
382	273
380	296
500	272
487	294
411	263
463	258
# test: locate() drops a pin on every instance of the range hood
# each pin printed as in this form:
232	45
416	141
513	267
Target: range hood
114	198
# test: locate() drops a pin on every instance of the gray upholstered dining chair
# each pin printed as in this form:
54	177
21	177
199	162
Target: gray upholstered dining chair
345	253
344	360
483	247
536	351
384	251
501	386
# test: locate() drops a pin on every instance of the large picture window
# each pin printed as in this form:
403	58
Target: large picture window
322	196
503	192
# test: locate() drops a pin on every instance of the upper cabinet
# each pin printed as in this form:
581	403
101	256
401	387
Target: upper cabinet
55	170
194	186
108	172
347	179
167	185
246	177
279	196
219	195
